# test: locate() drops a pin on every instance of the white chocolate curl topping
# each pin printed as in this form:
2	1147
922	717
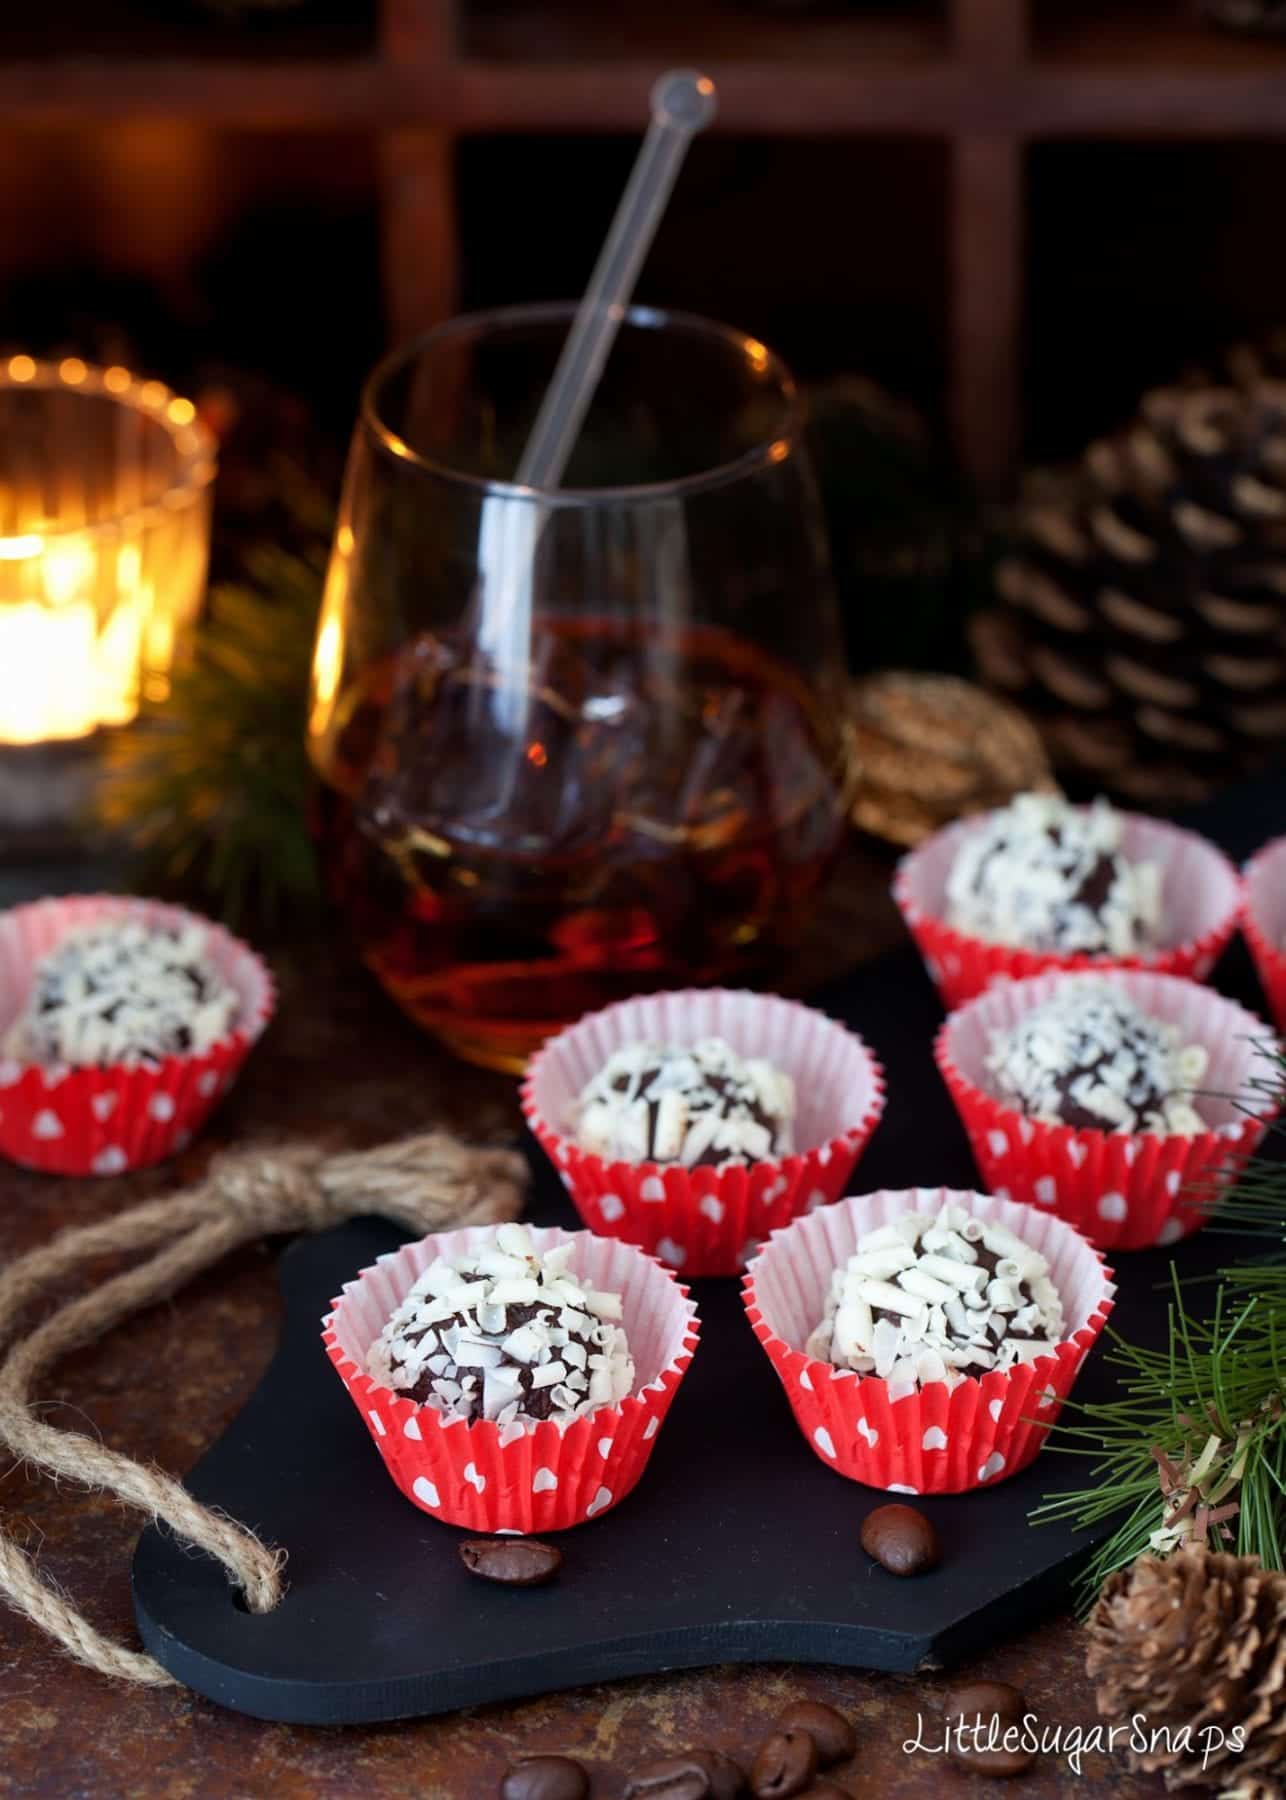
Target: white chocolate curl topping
938	1298
1090	1058
123	991
506	1334
1040	874
707	1105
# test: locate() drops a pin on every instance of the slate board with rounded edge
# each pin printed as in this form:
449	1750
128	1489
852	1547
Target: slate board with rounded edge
737	1546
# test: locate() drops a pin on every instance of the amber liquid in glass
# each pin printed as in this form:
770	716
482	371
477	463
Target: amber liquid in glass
636	811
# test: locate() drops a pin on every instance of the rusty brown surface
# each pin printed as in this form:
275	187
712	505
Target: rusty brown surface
339	1061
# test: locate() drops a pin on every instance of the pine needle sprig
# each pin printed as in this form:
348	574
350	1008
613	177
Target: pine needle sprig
1193	1444
210	788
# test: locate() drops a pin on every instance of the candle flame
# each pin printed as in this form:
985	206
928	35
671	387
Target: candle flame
92	612
47	672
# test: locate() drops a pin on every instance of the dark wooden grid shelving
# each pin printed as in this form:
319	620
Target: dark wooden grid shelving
986	77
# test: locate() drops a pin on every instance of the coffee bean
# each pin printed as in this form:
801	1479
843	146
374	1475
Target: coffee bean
1000	1708
727	1778
999	1761
987	1699
544	1778
835	1738
674	1778
785	1765
514	1562
825	1790
901	1540
697	1775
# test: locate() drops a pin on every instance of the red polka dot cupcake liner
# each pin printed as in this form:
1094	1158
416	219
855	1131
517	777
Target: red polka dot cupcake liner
710	1221
1200	900
105	1121
1264	922
491	1478
938	1439
1123	1190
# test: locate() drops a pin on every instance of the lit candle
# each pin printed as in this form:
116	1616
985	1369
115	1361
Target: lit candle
104	535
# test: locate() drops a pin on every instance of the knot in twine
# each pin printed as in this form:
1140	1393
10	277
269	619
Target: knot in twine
427	1183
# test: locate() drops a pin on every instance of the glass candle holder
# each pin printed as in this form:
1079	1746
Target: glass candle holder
580	743
105	492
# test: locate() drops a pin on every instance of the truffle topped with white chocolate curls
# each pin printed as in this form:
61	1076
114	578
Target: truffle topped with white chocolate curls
123	991
698	1106
1089	1057
1043	875
938	1297
506	1333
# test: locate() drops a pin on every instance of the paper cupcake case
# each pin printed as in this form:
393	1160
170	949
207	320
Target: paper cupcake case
104	1121
1200	899
1264	922
710	1221
514	1479
937	1439
1124	1191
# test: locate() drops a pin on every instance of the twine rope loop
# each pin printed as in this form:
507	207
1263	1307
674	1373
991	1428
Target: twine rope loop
426	1183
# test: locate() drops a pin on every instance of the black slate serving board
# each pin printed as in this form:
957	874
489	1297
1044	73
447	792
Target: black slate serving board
737	1546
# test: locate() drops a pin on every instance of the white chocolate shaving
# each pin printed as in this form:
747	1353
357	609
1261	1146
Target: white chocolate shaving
453	1331
1089	1047
122	991
940	1329
1044	875
667	1104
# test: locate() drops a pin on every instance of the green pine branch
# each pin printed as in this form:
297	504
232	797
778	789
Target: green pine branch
210	787
1199	1428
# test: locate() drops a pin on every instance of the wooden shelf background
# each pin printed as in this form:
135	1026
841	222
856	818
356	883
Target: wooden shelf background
985	79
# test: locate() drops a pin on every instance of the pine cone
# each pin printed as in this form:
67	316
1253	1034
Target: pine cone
931	748
1197	1640
1142	613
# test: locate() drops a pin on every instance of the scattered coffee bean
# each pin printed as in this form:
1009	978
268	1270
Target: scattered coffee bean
785	1765
1000	1709
901	1540
825	1790
727	1778
697	1775
835	1738
999	1761
985	1699
674	1778
514	1562
544	1778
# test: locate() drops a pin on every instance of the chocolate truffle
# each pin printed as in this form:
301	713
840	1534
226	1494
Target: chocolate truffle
123	991
505	1333
937	1298
1043	875
1090	1058
699	1107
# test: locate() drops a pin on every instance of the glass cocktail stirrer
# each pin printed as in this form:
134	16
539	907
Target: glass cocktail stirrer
683	103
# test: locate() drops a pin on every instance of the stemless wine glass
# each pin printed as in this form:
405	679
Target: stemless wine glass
576	744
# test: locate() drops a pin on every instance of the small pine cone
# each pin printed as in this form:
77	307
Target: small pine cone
932	748
1197	1640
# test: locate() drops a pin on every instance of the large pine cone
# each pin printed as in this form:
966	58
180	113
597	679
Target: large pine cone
1198	1640
1142	613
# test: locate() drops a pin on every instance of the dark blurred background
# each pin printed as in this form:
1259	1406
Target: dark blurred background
212	180
981	231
